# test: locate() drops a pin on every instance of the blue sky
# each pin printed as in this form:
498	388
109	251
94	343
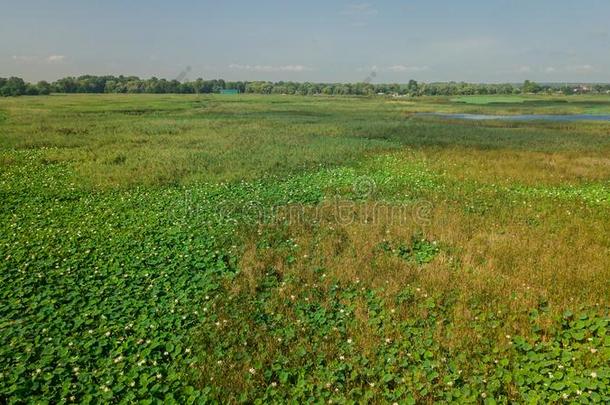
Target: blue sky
333	41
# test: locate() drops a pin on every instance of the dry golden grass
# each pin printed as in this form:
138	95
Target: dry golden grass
498	259
506	166
493	263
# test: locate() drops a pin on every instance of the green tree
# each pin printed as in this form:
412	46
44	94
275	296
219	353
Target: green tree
43	87
14	86
530	87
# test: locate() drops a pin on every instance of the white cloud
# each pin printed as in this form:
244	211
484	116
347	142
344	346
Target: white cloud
270	68
55	58
394	68
405	68
582	69
37	59
574	69
24	59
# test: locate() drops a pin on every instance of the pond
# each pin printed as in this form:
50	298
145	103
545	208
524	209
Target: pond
522	117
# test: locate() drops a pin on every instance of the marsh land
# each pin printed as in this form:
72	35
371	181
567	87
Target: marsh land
303	248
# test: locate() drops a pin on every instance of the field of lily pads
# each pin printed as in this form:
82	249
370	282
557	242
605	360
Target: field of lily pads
195	249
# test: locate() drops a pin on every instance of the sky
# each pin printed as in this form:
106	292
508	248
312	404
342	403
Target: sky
322	41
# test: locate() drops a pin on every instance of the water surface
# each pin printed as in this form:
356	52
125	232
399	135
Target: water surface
523	117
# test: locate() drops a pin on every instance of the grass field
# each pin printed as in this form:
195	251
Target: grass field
186	248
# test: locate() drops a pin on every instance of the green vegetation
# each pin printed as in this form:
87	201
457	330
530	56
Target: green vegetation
244	248
15	86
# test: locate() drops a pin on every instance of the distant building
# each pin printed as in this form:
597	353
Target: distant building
229	91
582	89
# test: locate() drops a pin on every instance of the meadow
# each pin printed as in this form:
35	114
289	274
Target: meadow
218	248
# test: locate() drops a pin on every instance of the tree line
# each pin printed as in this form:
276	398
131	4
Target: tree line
15	86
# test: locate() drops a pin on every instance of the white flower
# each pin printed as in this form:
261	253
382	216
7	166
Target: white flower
342	357
274	384
158	376
593	350
349	341
594	374
252	371
483	395
187	350
388	340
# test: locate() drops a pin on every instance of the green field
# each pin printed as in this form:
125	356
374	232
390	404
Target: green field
191	248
